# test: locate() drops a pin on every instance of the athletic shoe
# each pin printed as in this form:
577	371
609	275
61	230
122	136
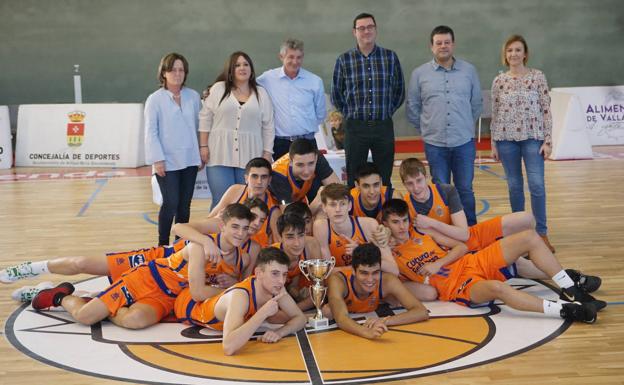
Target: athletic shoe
52	297
576	294
589	283
584	312
17	272
27	293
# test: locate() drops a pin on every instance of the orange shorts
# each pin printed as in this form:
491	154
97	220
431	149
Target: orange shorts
137	286
119	263
487	264
485	233
197	313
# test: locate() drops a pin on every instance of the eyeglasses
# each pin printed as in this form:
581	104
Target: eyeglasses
370	27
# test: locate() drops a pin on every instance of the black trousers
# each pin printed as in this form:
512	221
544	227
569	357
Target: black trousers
176	188
374	135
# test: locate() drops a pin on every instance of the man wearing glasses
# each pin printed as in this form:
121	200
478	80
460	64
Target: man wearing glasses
368	88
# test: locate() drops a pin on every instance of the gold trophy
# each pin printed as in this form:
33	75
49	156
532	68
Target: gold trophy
317	270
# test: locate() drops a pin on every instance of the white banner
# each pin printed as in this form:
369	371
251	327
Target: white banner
603	108
80	135
570	137
6	149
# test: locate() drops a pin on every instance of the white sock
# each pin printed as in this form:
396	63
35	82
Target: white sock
39	267
552	308
563	280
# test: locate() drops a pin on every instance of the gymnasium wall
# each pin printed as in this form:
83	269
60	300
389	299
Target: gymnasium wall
118	43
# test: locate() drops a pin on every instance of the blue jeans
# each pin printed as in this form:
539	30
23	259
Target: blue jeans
460	162
176	188
220	178
511	154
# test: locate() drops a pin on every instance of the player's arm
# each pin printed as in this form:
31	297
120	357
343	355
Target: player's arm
236	332
197	272
388	264
457	230
442	239
453	255
274	216
196	232
321	234
416	311
230	196
336	288
254	249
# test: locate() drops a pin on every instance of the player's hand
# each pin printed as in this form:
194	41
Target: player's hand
375	331
350	246
372	323
159	168
225	280
430	269
424	222
270	337
381	236
211	251
271	306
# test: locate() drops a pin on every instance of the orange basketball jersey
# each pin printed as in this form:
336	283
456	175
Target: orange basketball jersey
299	189
202	313
263	236
354	303
338	243
439	208
178	266
358	210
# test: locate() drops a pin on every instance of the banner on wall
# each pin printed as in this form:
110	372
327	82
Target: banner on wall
6	148
80	135
603	109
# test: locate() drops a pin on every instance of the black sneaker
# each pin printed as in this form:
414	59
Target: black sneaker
589	283
575	294
584	312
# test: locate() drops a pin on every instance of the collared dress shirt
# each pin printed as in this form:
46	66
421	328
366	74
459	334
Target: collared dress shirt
368	87
171	129
444	104
298	104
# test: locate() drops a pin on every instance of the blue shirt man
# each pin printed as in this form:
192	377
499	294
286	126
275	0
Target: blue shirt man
298	98
443	102
368	88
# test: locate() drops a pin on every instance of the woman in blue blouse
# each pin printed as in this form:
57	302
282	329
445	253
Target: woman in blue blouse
171	121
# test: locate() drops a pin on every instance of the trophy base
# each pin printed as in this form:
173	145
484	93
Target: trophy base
318	323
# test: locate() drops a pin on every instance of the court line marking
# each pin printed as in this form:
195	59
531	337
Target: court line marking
100	183
311	365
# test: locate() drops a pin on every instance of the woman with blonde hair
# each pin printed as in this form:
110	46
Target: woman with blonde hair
522	128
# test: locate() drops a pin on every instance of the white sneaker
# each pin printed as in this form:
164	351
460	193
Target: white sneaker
27	293
17	272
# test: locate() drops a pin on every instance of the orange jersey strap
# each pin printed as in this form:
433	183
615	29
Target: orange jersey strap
439	208
338	243
358	209
354	303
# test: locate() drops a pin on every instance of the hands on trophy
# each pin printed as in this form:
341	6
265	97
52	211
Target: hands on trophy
317	270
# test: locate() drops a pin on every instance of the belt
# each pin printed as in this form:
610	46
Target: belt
370	123
308	136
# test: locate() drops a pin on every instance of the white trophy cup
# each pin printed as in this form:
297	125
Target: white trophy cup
317	270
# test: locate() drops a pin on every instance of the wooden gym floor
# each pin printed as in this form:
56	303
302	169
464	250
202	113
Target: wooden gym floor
41	218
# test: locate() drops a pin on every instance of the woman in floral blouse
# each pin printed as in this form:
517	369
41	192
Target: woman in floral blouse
521	128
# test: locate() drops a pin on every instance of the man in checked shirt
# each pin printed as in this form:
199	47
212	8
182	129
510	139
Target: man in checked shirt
368	87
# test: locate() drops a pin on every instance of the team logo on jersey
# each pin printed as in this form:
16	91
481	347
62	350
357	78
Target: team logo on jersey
174	353
439	211
136	259
75	128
